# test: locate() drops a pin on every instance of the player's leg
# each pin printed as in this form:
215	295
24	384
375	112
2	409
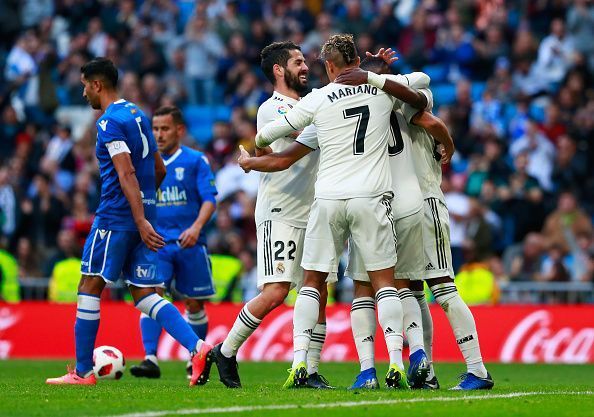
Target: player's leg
150	329
439	276
102	260
324	239
373	234
140	273
417	289
318	337
409	266
251	315
363	325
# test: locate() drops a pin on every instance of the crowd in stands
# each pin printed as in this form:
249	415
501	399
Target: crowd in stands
511	79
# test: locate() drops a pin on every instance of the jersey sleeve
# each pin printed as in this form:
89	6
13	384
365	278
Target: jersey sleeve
205	180
409	111
309	137
295	119
110	130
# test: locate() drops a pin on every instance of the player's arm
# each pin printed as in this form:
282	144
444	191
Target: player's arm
436	128
357	76
131	189
275	161
295	119
205	183
160	170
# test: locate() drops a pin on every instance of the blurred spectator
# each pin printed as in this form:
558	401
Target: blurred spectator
203	49
459	205
28	259
540	153
554	54
568	216
523	261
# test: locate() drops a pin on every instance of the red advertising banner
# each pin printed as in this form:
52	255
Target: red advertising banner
551	334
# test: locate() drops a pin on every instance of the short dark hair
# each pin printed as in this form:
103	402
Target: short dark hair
340	49
373	64
101	68
276	53
174	111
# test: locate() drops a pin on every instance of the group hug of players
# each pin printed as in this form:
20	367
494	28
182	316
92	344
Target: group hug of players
356	161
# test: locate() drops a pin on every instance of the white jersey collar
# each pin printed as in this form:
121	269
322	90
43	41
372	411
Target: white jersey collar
173	157
288	99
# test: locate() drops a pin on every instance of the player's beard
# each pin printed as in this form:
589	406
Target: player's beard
294	83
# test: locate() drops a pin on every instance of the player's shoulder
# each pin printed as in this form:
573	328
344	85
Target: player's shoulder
121	112
276	105
194	155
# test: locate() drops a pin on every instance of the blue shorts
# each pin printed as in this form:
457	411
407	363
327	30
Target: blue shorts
111	253
191	269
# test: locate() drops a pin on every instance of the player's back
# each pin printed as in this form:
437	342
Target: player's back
353	127
408	198
178	198
285	196
123	127
427	160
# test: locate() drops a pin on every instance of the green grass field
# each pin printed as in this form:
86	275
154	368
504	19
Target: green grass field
520	390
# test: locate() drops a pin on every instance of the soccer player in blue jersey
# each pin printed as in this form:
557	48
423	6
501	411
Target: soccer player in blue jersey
185	203
122	239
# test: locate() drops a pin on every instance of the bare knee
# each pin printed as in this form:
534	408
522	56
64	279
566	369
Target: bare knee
193	306
91	285
274	295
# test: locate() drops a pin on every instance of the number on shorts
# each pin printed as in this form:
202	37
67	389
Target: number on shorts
279	245
362	115
397	144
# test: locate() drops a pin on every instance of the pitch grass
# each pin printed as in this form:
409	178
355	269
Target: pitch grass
23	393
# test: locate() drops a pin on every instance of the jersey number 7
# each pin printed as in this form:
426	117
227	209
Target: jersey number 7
362	115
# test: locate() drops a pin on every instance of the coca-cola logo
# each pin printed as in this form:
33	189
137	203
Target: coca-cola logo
535	339
7	320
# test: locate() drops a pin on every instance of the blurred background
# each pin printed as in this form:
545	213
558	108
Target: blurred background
511	79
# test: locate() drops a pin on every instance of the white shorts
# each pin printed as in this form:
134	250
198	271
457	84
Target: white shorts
280	251
410	262
436	240
367	222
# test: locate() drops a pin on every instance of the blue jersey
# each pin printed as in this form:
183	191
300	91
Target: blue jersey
124	122
189	183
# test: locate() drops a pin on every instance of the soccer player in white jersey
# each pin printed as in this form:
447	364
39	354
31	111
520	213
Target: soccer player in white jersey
426	132
282	209
353	196
408	218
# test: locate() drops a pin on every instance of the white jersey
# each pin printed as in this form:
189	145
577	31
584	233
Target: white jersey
353	128
427	159
285	196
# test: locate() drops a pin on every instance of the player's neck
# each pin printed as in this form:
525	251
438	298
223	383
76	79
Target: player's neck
108	98
172	151
286	91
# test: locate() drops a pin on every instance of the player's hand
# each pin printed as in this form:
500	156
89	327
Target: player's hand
446	155
189	237
352	76
243	159
151	239
388	55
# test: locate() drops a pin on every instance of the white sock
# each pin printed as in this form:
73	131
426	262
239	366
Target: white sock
152	358
244	326
389	312
315	348
412	320
427	329
305	318
363	324
463	325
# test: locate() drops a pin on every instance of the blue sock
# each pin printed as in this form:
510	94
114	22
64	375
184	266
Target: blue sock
150	330
156	307
85	331
198	322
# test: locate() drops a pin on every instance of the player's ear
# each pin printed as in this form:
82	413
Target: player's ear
278	70
358	61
